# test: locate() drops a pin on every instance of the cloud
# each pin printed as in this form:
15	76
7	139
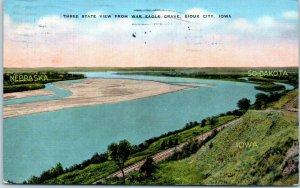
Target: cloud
266	22
243	25
290	15
263	28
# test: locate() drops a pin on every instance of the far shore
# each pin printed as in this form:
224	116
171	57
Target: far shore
89	92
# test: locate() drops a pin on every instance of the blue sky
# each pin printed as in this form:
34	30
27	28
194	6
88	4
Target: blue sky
34	9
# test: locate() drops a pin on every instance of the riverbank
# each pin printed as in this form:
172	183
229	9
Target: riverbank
92	92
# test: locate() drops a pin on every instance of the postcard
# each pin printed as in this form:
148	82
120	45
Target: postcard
150	92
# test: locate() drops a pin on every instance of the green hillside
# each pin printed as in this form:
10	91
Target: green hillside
261	150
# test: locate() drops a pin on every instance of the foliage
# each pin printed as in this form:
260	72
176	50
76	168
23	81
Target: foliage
119	153
262	100
292	78
243	104
148	167
203	122
285	99
11	85
22	87
270	87
96	158
192	147
51	173
169	143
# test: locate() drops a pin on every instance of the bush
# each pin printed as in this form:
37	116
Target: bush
243	104
51	173
263	99
148	167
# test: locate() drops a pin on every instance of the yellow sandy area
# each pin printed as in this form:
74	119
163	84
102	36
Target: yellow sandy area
17	95
92	92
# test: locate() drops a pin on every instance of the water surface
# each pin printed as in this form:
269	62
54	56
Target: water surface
34	143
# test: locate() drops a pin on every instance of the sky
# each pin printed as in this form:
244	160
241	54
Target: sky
258	33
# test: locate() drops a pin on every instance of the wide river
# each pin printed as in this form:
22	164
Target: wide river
34	143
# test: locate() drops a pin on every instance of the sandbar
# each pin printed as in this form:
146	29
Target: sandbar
92	92
18	95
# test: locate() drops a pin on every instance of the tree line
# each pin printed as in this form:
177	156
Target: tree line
11	85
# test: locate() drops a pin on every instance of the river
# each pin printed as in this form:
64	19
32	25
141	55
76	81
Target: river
34	143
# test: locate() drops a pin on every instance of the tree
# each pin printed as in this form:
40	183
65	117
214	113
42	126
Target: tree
98	158
33	180
163	145
58	169
176	141
170	143
203	122
261	100
119	153
244	104
148	167
213	120
195	123
208	120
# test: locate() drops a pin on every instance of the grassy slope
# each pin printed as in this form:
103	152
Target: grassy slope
285	99
97	171
227	164
185	135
